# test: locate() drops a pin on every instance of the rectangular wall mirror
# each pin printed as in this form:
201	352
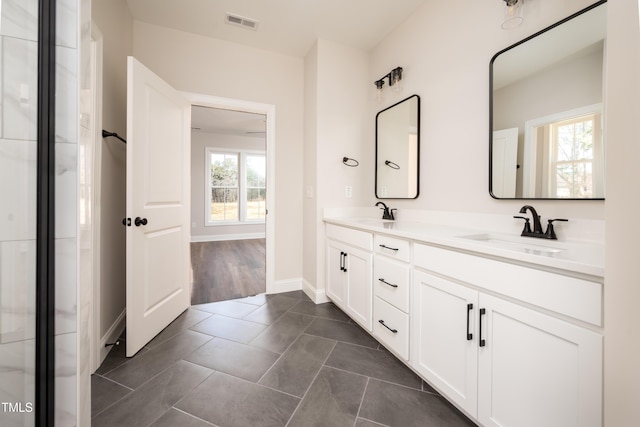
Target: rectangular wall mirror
546	93
398	150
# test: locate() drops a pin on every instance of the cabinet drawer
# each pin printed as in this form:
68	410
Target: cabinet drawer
391	282
392	247
357	238
577	298
391	327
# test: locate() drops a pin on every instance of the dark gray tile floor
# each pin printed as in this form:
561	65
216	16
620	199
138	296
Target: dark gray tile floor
276	360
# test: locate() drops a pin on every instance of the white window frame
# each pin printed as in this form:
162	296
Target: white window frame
531	142
242	186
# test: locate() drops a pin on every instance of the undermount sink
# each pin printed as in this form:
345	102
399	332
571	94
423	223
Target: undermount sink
520	244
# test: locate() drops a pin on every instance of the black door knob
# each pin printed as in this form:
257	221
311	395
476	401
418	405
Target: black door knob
140	221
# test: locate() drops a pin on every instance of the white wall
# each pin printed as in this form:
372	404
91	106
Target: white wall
116	25
335	127
445	51
199	143
622	284
311	214
197	64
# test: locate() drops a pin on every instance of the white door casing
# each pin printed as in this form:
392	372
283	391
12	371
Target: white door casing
158	193
269	110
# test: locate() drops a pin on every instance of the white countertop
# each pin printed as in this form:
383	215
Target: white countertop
571	256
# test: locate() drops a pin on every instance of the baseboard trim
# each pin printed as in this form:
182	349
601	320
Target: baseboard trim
318	296
223	237
289	285
111	336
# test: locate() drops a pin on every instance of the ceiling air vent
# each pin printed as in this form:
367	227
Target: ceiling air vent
241	21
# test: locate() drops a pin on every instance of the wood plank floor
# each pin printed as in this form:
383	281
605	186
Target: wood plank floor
227	270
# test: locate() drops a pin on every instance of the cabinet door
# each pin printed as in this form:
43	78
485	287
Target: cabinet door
359	267
444	346
535	370
336	277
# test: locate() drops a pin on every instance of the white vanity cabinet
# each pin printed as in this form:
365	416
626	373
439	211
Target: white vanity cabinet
391	288
349	261
444	338
502	360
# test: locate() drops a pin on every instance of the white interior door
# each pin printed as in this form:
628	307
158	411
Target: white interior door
158	205
505	163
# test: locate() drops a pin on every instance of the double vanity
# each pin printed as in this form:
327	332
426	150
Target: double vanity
507	328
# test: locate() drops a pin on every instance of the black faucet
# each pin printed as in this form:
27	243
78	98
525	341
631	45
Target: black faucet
537	226
386	212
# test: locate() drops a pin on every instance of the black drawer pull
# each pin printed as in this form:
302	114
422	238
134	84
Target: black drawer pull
469	334
390	248
481	342
343	261
387	283
395	331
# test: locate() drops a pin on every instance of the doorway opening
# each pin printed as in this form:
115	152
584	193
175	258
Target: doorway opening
228	204
233	194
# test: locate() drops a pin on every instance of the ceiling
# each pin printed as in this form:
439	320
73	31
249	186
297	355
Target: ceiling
227	122
286	26
289	27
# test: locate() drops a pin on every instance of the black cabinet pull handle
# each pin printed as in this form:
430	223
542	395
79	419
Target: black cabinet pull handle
126	222
343	261
387	283
469	334
481	342
395	331
388	247
140	221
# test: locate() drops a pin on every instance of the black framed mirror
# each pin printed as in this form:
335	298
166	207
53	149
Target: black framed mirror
398	150
546	129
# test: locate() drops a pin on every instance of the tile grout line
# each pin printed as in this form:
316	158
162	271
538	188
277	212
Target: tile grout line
364	393
302	332
117	401
311	384
190	414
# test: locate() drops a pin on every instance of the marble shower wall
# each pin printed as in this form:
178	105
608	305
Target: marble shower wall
18	115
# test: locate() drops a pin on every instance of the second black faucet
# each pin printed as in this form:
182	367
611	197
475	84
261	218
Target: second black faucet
386	212
537	226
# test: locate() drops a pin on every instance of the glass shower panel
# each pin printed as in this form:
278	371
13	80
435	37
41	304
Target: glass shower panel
18	152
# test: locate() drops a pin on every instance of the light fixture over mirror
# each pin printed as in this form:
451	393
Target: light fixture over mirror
513	15
546	93
394	77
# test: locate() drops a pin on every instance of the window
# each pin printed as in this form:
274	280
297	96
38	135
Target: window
563	155
235	187
573	157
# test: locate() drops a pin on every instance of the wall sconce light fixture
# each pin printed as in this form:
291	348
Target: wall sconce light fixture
513	15
394	77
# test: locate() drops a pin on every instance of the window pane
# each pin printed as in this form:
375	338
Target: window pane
574	180
256	198
224	204
256	167
574	157
224	170
256	186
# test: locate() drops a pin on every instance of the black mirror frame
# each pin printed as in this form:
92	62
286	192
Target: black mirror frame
418	152
568	18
